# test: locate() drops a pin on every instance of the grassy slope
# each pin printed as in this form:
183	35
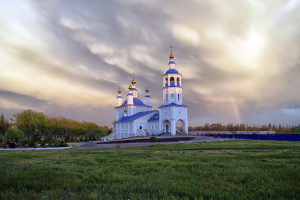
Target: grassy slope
155	172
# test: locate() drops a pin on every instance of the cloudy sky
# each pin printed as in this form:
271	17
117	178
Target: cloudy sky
240	59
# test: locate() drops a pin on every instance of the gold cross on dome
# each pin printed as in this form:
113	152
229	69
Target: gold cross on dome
171	47
133	74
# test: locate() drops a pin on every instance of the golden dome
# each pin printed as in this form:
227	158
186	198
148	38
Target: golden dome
147	90
125	110
171	54
119	91
130	87
133	80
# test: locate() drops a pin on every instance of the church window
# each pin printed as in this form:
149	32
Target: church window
178	97
178	81
172	81
166	96
141	127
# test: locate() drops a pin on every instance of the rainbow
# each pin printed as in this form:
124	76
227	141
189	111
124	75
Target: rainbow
237	112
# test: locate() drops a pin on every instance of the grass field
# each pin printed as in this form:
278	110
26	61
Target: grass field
215	170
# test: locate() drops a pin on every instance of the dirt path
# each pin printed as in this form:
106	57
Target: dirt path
161	140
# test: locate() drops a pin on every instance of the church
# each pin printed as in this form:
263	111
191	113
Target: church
135	117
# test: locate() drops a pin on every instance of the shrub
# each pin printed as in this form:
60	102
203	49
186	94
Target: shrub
43	143
12	145
63	144
24	142
3	145
13	135
32	143
153	139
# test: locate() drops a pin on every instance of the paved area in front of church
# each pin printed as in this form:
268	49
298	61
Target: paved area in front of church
118	145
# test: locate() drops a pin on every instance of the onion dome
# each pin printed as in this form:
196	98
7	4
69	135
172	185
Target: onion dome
147	90
133	80
130	87
119	91
172	71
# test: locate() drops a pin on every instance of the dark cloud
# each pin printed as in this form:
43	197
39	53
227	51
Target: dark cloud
68	58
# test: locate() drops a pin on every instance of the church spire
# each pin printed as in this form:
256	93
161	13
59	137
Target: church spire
130	88
119	91
133	80
119	97
171	54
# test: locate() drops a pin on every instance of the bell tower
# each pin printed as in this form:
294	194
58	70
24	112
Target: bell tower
172	110
172	88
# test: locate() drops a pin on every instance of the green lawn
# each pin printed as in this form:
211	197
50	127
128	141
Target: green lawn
215	170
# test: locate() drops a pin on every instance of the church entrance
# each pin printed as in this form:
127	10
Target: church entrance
166	126
179	126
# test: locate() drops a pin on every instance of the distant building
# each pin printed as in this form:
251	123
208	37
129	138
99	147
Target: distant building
135	117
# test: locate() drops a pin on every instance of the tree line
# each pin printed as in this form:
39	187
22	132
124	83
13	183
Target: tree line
37	126
246	127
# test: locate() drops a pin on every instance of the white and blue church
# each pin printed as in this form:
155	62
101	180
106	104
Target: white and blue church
135	117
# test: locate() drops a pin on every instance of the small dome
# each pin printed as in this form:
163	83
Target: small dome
171	62
147	95
147	90
130	87
119	91
136	102
133	82
172	71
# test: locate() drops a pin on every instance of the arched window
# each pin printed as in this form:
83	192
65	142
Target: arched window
178	81
166	84
172	81
178	97
166	96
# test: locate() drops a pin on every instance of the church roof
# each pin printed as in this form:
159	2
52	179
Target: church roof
172	71
135	116
171	62
155	117
136	102
172	104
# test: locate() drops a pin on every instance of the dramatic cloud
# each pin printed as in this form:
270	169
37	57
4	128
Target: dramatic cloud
240	60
